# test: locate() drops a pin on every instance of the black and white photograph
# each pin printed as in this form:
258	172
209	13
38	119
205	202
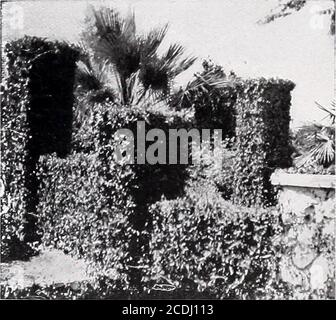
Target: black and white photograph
167	150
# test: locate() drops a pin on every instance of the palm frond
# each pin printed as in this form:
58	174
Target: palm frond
172	60
116	40
209	81
131	57
108	23
91	77
157	73
331	111
183	65
173	53
284	9
151	41
317	144
129	26
205	82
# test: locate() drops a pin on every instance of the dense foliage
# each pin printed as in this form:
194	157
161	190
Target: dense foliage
254	117
203	243
150	226
95	208
262	138
83	213
214	106
36	112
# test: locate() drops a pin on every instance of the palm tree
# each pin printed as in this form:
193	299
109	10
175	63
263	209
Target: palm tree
316	142
125	65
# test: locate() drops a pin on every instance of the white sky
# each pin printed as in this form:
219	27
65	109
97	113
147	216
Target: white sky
297	47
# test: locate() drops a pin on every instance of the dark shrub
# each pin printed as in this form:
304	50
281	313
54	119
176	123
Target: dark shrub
201	242
85	214
104	195
49	71
214	108
262	138
36	102
101	123
254	116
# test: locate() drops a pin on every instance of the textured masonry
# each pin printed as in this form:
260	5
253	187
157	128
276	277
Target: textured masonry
307	205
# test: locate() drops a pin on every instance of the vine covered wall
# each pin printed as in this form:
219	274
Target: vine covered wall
36	111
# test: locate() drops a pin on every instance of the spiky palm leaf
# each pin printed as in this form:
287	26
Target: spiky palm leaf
331	111
324	151
173	62
317	141
113	39
319	146
151	41
91	76
202	82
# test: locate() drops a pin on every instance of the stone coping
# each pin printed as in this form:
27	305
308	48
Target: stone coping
303	180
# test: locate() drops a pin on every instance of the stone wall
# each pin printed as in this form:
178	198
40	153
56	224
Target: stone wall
307	205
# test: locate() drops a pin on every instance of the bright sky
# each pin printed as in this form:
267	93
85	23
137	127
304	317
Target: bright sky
297	47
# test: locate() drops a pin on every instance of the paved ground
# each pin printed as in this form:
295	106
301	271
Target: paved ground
50	267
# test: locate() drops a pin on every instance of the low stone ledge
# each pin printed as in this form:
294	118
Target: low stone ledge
304	180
